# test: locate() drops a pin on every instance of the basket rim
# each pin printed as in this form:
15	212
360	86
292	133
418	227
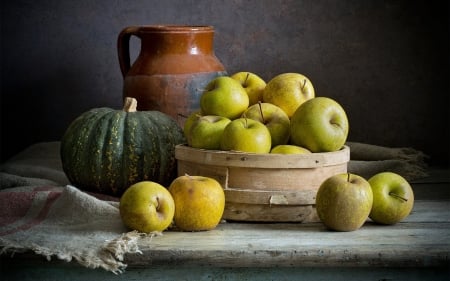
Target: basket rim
261	160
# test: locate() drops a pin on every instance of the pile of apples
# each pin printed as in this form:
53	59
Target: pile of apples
242	112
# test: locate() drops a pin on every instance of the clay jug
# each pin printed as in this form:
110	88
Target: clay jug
173	67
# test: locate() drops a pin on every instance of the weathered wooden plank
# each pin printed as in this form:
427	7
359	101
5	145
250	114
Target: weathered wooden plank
423	239
416	249
30	270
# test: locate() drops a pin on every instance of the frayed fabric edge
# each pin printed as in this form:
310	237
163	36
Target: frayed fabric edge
109	257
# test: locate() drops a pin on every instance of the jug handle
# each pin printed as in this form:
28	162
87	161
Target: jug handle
123	47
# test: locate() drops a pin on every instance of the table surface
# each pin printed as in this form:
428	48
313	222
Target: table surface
422	240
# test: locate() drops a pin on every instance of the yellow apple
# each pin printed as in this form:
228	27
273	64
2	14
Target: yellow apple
288	91
147	206
289	149
199	201
253	84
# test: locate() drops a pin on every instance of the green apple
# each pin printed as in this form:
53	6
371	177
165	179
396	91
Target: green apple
288	91
253	84
393	198
247	135
344	201
320	125
206	131
224	96
189	121
275	119
289	149
147	206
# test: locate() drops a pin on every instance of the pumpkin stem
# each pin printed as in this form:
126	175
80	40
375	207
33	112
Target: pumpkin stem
130	104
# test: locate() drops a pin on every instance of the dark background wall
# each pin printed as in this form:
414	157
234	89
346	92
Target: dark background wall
386	62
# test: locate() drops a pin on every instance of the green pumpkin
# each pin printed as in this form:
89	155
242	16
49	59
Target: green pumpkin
106	150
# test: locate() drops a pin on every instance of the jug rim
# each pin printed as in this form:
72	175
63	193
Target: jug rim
175	28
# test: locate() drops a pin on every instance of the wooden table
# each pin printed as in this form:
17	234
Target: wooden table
418	248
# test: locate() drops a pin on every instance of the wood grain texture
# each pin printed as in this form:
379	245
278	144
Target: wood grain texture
261	160
421	240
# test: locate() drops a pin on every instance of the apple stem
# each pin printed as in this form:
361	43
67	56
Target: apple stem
304	84
158	205
260	110
246	78
398	196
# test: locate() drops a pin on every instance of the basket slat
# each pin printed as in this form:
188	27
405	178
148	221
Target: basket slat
261	160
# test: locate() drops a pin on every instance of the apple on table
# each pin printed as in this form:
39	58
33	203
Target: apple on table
393	198
147	207
344	201
199	201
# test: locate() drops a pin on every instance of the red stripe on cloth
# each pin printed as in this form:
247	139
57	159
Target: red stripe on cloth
15	206
21	206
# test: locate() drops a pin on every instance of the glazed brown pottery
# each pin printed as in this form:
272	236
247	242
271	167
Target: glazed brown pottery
173	67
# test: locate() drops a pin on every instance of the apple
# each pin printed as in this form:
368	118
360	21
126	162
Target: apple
289	149
288	91
320	125
246	135
224	96
344	201
393	198
253	84
199	201
206	131
147	206
275	119
189	121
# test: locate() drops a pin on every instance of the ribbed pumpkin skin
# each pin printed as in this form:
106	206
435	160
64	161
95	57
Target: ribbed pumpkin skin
106	150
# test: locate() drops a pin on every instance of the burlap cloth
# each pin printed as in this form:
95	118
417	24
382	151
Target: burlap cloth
41	212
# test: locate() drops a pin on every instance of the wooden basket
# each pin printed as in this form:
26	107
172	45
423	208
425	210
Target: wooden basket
265	187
